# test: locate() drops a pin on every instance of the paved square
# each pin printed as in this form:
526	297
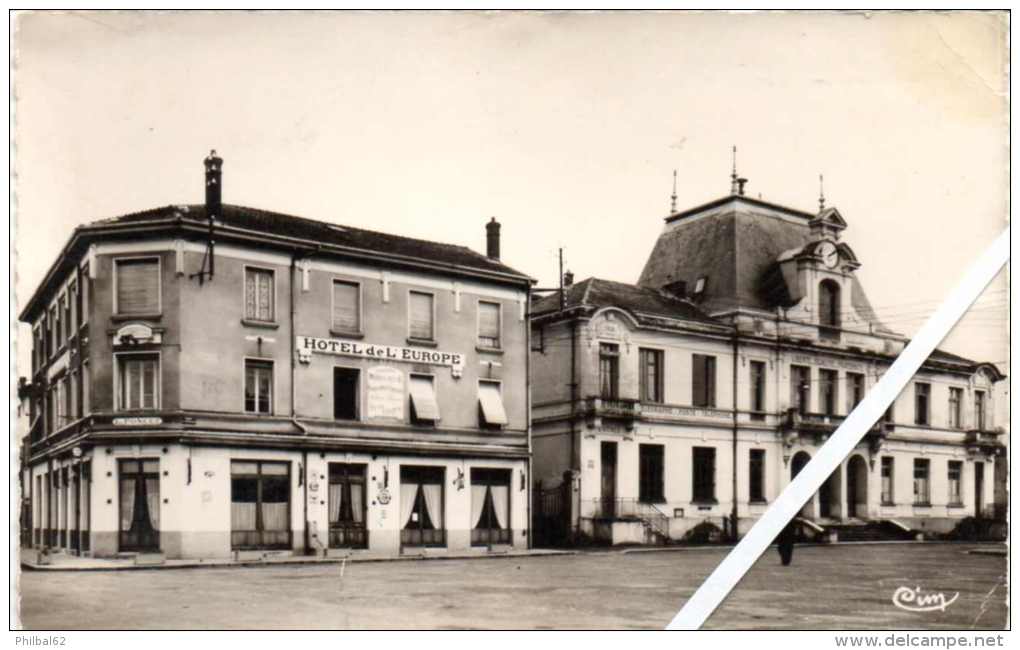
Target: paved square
827	587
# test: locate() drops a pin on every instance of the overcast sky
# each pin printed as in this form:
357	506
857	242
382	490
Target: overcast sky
566	127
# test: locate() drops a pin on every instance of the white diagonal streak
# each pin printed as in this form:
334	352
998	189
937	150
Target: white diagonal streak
729	572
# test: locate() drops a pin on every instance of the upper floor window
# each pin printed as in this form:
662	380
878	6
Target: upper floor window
828	304
345	393
258	386
490	404
756	476
922	483
138	378
65	317
703	381
651	375
800	388
259	294
421	316
922	393
37	348
854	390
757	390
829	379
979	410
955	407
489	317
137	283
424	406
347	307
54	329
72	317
609	370
83	316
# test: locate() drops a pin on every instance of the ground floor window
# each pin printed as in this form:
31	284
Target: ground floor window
85	477
703	474
490	506
650	474
139	504
756	476
65	485
955	481
259	505
421	506
922	485
347	506
51	509
887	480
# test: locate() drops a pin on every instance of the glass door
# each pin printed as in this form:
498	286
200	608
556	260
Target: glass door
139	505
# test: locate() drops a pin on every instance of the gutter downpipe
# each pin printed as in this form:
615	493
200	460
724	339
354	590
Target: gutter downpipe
575	452
293	404
527	401
733	516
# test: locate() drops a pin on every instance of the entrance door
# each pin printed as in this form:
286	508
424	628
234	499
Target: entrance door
139	505
979	489
857	487
347	506
609	479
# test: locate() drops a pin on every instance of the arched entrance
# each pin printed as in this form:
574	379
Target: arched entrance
830	495
857	487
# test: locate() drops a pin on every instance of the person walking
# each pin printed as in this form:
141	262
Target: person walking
785	542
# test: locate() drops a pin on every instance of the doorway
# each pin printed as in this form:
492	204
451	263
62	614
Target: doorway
979	489
347	506
608	479
139	505
857	487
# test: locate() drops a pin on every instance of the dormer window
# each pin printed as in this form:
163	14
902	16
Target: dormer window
828	304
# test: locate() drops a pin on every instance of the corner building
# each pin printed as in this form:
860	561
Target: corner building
213	380
680	407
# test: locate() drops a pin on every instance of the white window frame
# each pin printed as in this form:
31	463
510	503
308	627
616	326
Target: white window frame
435	324
159	283
158	396
244	288
244	378
478	323
361	306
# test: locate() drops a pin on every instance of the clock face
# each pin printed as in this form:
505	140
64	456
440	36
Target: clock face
829	254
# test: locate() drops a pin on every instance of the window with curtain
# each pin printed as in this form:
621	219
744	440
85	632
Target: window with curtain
609	370
139	504
979	410
887	479
955	408
421	506
258	386
922	394
490	507
829	380
421	315
347	307
922	484
955	481
756	475
138	381
651	375
757	390
260	505
488	324
259	295
703	381
347	506
650	474
800	388
703	474
137	286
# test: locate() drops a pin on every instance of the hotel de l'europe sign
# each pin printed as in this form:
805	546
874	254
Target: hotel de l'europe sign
306	345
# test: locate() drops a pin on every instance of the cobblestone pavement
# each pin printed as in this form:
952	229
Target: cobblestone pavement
827	587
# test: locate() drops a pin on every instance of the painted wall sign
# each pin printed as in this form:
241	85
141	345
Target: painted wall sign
342	347
835	362
385	393
137	422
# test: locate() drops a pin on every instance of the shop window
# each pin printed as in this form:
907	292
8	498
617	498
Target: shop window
421	506
490	507
260	505
139	504
137	286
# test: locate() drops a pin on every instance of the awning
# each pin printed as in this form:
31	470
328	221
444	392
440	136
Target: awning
492	403
423	398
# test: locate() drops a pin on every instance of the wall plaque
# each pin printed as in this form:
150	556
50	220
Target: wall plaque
385	393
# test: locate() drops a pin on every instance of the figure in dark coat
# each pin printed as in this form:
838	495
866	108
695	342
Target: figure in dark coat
785	542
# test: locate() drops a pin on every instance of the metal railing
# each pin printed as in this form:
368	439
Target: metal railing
650	515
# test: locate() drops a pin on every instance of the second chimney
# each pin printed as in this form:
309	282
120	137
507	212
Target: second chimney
492	239
213	185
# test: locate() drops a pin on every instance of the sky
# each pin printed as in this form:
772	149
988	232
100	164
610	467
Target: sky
565	126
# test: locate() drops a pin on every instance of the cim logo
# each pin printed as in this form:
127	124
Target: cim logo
916	600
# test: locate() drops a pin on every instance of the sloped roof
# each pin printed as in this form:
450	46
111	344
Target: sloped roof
597	293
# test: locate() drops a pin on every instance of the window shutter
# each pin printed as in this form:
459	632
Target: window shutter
346	305
488	324
137	286
420	316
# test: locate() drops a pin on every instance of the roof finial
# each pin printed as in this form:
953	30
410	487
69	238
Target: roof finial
733	174
821	193
672	198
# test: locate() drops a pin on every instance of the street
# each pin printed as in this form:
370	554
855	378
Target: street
827	587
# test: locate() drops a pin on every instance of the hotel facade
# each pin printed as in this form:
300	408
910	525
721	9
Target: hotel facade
212	381
679	407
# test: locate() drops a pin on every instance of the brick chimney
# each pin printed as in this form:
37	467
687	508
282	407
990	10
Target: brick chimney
492	239
213	185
